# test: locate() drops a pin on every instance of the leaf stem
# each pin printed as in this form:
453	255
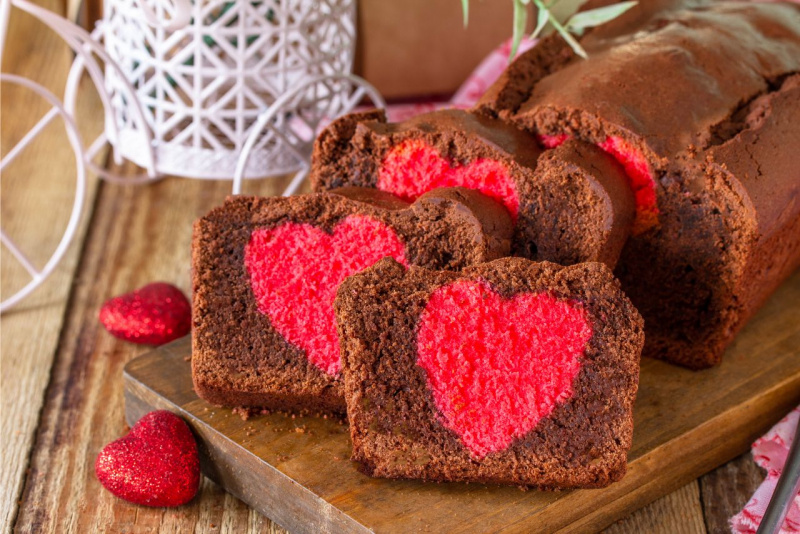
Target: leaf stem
571	41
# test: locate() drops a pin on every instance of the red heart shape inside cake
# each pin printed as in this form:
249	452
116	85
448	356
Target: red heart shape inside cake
294	272
496	366
156	464
413	168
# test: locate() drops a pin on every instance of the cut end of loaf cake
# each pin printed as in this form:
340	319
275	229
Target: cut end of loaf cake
511	372
640	178
413	167
637	170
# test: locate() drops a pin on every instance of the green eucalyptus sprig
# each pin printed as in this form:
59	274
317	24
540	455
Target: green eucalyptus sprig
567	20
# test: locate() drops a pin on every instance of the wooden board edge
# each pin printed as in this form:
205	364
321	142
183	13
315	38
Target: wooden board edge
284	501
639	488
703	454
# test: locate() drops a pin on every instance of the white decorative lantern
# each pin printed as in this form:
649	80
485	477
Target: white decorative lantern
198	88
204	70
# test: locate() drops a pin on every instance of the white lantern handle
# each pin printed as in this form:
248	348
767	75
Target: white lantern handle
289	102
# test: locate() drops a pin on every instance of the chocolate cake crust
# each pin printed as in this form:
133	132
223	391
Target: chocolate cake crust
238	358
396	428
586	211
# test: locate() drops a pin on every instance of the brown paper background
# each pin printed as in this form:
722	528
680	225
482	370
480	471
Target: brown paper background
406	48
410	48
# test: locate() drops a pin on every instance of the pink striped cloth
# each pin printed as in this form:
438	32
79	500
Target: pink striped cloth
770	452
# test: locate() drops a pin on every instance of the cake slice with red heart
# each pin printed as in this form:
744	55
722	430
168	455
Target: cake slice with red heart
266	270
569	205
511	372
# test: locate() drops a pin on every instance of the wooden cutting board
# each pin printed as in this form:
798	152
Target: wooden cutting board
296	470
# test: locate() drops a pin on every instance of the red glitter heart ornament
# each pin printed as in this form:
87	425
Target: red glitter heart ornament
413	168
156	464
496	366
295	270
152	315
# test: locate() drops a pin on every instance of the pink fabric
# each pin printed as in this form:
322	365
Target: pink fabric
770	452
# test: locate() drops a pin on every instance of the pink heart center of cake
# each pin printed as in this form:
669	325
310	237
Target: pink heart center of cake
497	366
413	168
637	169
295	270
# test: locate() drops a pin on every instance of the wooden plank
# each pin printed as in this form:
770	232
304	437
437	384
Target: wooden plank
138	234
727	489
38	191
687	423
676	513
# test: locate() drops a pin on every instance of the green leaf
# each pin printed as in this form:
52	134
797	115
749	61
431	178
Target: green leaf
541	21
595	17
563	9
520	21
465	9
573	43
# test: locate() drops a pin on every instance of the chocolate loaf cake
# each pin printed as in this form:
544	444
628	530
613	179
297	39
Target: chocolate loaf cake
265	272
700	101
510	372
569	206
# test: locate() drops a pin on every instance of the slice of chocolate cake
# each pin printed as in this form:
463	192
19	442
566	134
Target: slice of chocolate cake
699	100
265	273
572	205
510	372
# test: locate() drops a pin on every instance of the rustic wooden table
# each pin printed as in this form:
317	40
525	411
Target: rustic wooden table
62	372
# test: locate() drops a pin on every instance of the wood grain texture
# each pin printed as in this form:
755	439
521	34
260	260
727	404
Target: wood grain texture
726	490
38	191
676	513
137	235
295	469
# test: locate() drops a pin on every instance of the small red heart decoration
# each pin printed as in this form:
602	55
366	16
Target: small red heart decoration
295	270
497	366
412	168
153	315
156	464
